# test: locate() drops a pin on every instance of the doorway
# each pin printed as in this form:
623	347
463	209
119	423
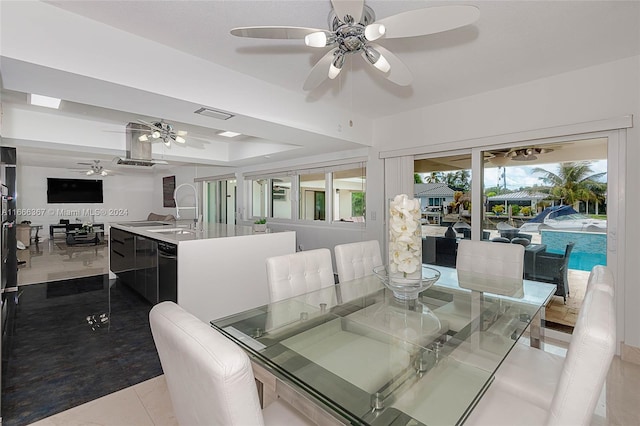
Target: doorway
517	184
220	201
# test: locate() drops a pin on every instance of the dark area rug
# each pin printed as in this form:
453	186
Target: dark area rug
74	341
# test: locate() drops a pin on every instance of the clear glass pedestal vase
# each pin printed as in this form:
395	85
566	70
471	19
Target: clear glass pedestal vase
407	288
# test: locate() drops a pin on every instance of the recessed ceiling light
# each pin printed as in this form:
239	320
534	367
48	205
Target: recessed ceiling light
229	134
44	101
220	115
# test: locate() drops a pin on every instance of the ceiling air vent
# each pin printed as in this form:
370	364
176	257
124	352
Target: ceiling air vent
220	115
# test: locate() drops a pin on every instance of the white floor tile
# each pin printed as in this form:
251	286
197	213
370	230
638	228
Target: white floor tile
156	400
120	408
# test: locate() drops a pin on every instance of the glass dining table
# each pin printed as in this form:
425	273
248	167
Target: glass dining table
365	357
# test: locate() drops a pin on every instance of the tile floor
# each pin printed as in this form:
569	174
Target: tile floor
52	260
74	341
148	403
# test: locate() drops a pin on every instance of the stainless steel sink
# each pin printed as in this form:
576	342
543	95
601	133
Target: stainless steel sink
173	231
144	223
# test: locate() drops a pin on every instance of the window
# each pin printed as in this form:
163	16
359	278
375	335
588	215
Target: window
259	197
349	194
324	193
281	198
312	196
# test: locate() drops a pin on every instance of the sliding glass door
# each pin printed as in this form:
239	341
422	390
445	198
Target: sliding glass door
220	201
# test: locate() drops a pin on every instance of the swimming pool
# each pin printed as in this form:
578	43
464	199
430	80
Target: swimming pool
590	247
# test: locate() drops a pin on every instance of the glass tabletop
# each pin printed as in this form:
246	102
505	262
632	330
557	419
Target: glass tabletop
374	359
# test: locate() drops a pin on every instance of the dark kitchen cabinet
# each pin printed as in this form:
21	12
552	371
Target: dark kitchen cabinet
134	259
146	268
122	255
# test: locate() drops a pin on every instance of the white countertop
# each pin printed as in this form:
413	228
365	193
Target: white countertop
176	232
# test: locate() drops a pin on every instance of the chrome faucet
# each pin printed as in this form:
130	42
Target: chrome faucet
195	207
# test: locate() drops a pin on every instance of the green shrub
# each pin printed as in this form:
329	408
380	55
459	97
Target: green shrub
498	209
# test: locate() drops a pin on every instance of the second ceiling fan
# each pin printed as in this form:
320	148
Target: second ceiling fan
353	28
165	132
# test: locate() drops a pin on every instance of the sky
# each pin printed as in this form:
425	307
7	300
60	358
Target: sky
523	176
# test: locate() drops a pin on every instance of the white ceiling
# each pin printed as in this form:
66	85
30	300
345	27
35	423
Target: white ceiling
512	42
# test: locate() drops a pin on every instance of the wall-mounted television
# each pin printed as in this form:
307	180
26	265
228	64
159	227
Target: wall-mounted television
74	190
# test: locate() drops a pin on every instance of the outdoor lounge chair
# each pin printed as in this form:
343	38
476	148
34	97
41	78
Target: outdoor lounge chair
553	268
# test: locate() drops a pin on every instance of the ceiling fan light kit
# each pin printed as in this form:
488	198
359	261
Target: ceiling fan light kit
353	27
501	158
164	131
96	169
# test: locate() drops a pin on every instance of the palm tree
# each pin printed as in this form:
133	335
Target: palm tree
459	180
434	177
417	178
573	181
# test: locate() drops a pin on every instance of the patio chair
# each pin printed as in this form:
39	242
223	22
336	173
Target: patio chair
553	268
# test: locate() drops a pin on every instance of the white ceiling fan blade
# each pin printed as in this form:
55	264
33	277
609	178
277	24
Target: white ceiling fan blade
399	73
182	133
348	7
430	20
273	32
319	72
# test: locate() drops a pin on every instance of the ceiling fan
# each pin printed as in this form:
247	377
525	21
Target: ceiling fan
95	169
502	157
160	130
353	28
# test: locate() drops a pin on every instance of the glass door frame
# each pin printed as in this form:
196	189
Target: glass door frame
220	206
616	187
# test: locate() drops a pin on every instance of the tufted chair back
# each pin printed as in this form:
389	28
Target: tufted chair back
209	378
357	260
492	268
298	273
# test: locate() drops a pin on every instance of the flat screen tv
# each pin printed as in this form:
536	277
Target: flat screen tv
74	190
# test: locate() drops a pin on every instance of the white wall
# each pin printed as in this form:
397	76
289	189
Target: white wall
183	174
126	198
601	92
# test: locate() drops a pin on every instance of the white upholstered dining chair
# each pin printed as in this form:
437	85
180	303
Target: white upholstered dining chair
209	378
482	266
357	260
538	388
354	261
298	273
491	268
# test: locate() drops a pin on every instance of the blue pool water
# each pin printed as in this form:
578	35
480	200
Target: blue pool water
590	247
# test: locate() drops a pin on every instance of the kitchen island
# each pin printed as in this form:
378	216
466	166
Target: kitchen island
212	272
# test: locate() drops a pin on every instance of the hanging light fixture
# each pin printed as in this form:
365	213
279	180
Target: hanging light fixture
528	154
163	131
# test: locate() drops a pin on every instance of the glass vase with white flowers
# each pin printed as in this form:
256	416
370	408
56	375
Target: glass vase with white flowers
404	274
405	238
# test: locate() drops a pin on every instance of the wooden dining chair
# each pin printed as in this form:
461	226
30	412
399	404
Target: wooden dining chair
209	378
535	387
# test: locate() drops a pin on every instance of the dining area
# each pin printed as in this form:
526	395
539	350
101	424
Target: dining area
458	345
